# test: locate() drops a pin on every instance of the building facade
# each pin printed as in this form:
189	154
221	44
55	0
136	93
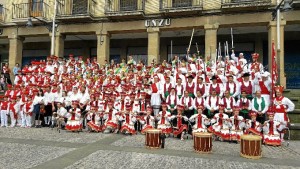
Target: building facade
149	30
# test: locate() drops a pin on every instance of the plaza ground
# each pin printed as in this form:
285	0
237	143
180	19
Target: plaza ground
47	148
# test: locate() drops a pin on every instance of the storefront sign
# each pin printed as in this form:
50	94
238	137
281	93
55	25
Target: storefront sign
157	22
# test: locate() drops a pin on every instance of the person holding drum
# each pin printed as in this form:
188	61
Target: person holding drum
270	128
252	126
163	120
129	120
147	121
282	105
219	121
236	125
201	121
179	120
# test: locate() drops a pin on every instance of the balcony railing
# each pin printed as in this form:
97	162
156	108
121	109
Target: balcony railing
245	3
123	7
178	5
76	8
33	9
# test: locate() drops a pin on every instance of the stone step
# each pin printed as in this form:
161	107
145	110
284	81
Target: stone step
295	131
294	116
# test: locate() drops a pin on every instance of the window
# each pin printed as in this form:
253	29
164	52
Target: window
128	5
80	7
181	3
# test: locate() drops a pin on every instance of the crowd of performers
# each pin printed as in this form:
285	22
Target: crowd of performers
227	97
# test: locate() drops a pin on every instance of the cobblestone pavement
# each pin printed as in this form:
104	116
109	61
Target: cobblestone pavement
223	148
45	148
48	134
117	159
26	156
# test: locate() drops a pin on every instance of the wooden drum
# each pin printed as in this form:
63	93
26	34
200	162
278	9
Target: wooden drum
203	142
251	146
152	138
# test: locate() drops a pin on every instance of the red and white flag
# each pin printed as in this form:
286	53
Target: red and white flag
274	69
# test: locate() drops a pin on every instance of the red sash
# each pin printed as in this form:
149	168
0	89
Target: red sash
220	121
263	88
154	88
199	122
163	117
271	128
179	122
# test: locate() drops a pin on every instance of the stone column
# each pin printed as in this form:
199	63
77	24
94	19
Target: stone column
15	52
59	45
153	45
272	37
211	40
103	46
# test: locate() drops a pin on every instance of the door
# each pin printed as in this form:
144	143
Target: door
36	8
80	7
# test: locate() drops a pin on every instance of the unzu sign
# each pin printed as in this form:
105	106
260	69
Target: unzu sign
157	22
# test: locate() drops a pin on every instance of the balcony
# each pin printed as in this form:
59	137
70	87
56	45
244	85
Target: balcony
76	9
246	5
124	8
296	3
182	6
2	14
21	12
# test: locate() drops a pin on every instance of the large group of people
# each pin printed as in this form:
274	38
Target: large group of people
228	97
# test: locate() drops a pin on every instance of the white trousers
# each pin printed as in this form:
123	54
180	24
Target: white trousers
23	119
12	119
28	120
3	115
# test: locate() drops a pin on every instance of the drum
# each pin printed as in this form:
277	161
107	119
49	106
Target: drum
251	146
203	142
152	138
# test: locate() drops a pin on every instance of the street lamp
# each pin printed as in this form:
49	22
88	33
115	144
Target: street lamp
276	12
51	27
